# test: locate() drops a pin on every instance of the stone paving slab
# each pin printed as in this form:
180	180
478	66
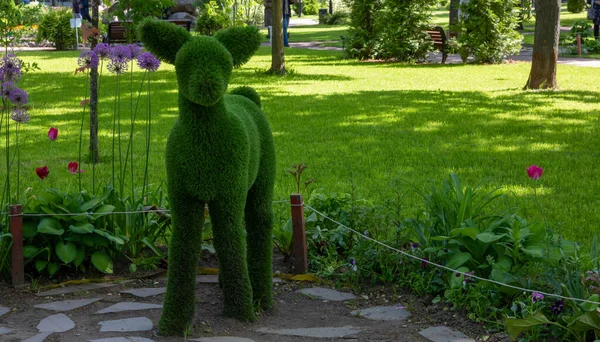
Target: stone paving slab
4	331
39	337
128	324
444	334
123	339
67	305
75	288
324	332
327	294
4	310
383	313
146	292
129	306
222	339
56	323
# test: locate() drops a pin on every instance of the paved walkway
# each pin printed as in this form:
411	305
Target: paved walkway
90	313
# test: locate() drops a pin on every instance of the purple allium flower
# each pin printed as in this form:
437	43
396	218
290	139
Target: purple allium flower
134	50
88	59
117	67
148	62
558	307
10	68
18	96
20	115
415	245
120	54
536	297
102	50
6	88
352	261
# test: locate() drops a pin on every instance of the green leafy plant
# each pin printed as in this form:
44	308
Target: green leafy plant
575	6
55	27
488	30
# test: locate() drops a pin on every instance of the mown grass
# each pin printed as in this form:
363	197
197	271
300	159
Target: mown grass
365	123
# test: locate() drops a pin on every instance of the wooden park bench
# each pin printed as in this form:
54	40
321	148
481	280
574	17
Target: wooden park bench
117	30
438	36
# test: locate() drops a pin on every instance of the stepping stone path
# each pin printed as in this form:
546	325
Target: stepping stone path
52	324
128	324
146	292
67	305
60	323
123	339
327	294
56	323
383	313
222	339
4	331
324	332
129	306
444	334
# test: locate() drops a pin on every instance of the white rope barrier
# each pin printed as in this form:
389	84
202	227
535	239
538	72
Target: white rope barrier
448	268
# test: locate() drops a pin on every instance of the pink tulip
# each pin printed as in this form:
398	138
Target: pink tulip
52	133
42	172
73	166
534	172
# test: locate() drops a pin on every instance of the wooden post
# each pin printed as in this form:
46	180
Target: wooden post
299	234
16	229
579	44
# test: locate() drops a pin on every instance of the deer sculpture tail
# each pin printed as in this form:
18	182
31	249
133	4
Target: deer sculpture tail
248	92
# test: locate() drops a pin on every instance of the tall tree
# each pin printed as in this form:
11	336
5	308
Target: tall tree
545	45
94	91
454	5
277	53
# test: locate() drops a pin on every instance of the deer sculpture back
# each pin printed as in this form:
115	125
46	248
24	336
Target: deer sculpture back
220	152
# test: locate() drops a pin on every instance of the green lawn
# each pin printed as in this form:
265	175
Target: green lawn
366	123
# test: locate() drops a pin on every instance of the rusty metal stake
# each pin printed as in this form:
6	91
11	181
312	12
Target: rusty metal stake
579	44
16	229
299	234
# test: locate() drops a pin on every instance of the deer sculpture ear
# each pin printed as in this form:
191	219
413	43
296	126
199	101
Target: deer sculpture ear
162	38
241	42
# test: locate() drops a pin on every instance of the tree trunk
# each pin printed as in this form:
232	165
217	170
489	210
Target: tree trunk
277	53
454	5
53	3
545	45
94	93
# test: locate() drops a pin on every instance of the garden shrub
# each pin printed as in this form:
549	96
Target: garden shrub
575	6
487	30
337	18
389	29
55	27
479	233
309	7
211	20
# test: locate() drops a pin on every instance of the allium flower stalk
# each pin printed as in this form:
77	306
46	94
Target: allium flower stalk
147	61
20	115
102	50
88	60
18	97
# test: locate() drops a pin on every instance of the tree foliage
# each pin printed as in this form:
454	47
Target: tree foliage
487	30
389	29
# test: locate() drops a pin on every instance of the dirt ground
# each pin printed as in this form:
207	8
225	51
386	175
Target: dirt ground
292	310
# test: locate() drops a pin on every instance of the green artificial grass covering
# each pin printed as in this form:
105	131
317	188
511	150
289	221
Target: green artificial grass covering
220	152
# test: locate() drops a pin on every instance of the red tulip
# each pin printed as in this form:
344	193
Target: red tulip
534	172
73	166
52	133
42	172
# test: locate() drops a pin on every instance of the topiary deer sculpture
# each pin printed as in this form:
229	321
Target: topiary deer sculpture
220	152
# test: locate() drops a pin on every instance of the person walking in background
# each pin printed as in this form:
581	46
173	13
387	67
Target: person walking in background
287	12
85	10
596	10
